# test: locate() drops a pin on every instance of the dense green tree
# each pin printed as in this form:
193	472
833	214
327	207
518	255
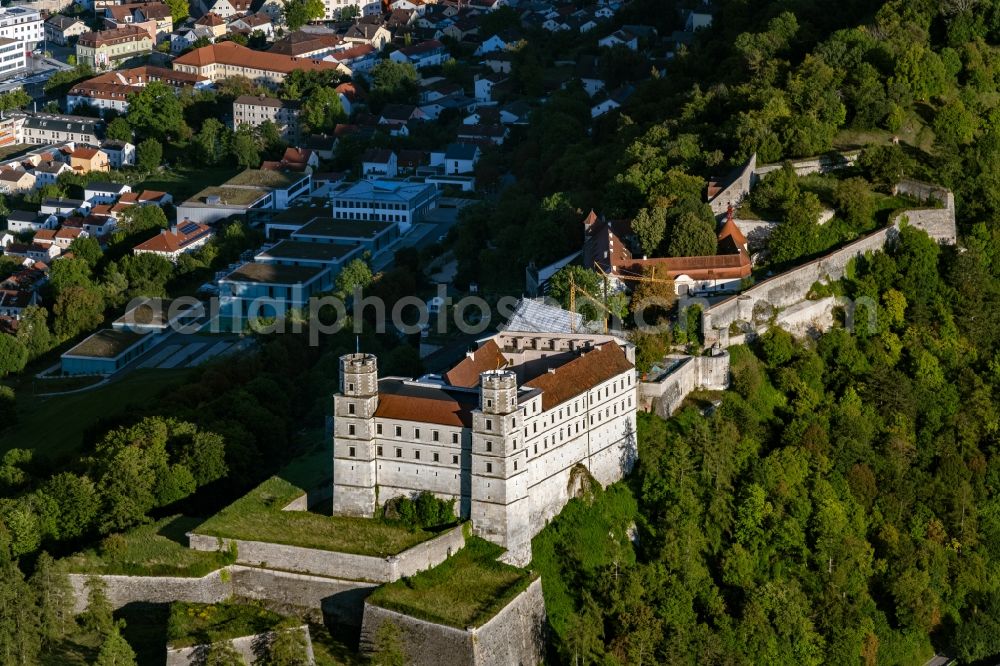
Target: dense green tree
649	226
55	599
322	110
299	12
77	309
33	331
20	638
115	650
98	617
149	155
355	275
178	10
211	142
244	149
156	112
13	355
78	503
854	201
288	648
691	236
576	278
222	653
394	81
119	130
883	165
87	248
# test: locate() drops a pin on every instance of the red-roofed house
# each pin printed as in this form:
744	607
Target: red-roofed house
85	159
172	243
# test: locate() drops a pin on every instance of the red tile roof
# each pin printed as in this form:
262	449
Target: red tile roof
581	374
173	240
424	404
231	53
466	373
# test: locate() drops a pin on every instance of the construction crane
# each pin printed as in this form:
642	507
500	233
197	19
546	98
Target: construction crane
572	305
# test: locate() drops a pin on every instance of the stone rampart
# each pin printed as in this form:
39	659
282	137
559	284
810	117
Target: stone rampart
665	394
346	566
512	636
759	303
938	222
249	647
124	590
806	166
736	190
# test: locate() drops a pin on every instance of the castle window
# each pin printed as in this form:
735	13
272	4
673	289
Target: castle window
536	449
630	401
350	408
350	387
399	452
378	428
436	436
489	424
489	468
350	451
454	460
489	447
513	423
416	433
454	438
350	429
536	426
416	455
437	457
378	450
526	433
489	403
399	431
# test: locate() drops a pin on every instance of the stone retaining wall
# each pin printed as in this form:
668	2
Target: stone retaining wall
247	646
515	635
345	566
342	599
694	372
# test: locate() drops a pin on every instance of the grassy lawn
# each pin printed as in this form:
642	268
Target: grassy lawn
55	426
466	590
257	516
158	549
184	181
198	624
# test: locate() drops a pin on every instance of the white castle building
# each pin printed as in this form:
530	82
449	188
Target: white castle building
507	432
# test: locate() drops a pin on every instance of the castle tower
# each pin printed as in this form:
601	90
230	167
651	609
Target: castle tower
500	510
354	466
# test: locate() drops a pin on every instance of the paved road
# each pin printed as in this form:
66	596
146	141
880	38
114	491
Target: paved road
939	660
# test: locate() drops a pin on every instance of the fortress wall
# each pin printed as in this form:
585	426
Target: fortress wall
124	590
756	304
247	646
515	635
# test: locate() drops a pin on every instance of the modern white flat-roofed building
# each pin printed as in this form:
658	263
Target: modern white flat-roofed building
385	201
23	24
12	58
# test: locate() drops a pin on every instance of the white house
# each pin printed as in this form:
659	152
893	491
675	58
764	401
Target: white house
492	45
120	153
171	244
460	158
431	53
21	221
379	163
47	173
104	193
484	86
697	20
620	38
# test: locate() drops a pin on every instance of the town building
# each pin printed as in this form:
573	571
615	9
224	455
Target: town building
103	49
23	24
171	243
120	153
98	193
20	221
251	189
60	29
378	163
219	61
227	9
431	53
364	8
607	244
511	433
253	111
48	128
85	159
384	200
153	16
303	44
111	90
12	57
16	181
